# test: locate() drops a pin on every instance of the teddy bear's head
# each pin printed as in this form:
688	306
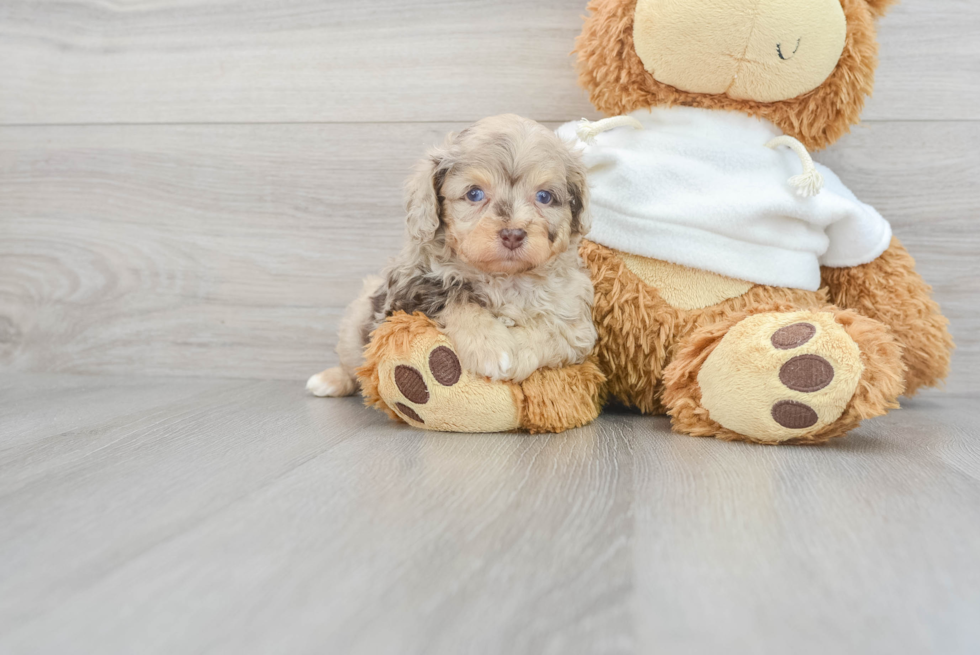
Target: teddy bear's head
805	65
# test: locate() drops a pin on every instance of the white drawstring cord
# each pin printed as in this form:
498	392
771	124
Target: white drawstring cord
587	130
810	183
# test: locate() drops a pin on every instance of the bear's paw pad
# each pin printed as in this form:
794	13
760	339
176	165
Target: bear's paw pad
777	377
428	388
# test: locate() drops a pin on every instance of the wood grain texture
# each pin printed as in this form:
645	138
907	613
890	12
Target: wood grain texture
245	517
288	61
232	250
293	524
207	249
213	61
797	550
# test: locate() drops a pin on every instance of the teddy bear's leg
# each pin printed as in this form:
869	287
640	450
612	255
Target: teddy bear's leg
559	399
778	377
413	374
890	290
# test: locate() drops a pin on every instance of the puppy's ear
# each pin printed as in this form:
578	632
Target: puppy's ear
424	198
578	194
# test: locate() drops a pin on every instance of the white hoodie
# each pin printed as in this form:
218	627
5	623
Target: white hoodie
700	188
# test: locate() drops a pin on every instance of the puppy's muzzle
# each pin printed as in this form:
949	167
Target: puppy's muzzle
513	239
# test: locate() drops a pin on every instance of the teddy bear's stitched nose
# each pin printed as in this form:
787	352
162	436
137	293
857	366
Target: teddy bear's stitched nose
513	239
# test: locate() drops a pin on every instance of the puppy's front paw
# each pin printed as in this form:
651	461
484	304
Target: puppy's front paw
517	367
505	363
487	360
525	363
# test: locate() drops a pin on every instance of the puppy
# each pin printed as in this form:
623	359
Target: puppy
494	221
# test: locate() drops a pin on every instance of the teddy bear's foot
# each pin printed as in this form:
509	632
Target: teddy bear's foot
784	377
413	374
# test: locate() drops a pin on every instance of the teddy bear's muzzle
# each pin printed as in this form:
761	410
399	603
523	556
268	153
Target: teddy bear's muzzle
746	49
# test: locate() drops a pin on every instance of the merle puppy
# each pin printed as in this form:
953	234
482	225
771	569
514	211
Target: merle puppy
495	216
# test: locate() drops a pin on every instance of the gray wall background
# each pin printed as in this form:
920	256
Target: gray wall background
196	188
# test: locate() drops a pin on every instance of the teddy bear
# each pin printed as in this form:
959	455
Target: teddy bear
740	288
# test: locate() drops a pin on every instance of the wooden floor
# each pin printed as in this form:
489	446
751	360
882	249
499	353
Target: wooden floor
190	191
183	516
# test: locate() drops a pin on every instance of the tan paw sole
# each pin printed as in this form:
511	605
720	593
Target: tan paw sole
428	388
777	377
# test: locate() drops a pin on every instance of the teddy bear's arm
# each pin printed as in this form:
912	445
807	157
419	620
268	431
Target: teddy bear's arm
890	290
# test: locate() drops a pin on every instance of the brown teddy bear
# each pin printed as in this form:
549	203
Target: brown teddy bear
746	302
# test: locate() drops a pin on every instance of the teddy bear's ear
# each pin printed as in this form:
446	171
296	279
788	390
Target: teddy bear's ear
879	7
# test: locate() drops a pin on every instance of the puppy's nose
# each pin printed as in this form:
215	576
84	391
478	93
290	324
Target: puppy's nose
513	239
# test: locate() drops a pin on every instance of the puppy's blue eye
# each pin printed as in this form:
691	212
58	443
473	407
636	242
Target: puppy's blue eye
545	197
475	195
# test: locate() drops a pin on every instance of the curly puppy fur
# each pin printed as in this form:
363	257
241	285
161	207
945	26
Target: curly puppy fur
495	218
618	83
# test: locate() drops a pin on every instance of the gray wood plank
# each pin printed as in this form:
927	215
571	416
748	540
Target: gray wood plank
855	547
109	469
232	250
59	405
288	61
380	60
267	521
202	236
255	519
917	78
